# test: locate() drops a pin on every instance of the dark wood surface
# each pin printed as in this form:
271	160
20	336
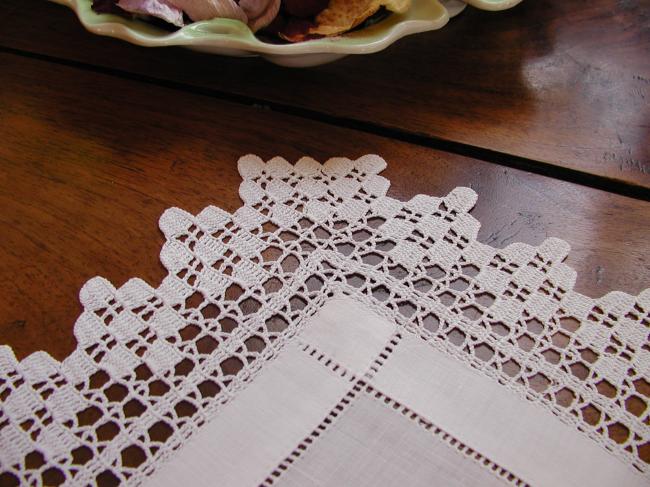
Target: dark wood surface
88	162
556	87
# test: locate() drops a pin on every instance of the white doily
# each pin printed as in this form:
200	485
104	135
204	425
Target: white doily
153	366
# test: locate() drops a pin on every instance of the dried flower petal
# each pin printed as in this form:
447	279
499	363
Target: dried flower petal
343	15
260	13
156	8
304	9
209	9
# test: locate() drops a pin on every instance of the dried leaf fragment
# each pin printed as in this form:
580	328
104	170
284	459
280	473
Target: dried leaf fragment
343	15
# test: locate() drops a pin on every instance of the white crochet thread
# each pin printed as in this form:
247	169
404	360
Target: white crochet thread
153	365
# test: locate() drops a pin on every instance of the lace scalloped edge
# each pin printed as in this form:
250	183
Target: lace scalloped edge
626	314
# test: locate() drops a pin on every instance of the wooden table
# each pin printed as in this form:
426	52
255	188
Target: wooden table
543	110
548	121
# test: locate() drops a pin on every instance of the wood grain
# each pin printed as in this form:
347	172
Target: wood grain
563	83
88	162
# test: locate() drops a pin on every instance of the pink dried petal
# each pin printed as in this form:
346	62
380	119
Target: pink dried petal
156	8
260	13
209	9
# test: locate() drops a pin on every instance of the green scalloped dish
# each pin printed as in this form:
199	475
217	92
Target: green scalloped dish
233	38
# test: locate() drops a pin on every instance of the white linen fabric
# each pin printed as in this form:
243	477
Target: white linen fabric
259	428
156	368
514	433
375	446
288	410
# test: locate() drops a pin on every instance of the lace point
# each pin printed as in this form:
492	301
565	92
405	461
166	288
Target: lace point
250	166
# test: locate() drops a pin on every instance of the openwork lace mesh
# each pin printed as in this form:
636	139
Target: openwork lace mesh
153	365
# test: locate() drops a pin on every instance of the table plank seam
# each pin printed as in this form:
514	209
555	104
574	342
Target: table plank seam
542	168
